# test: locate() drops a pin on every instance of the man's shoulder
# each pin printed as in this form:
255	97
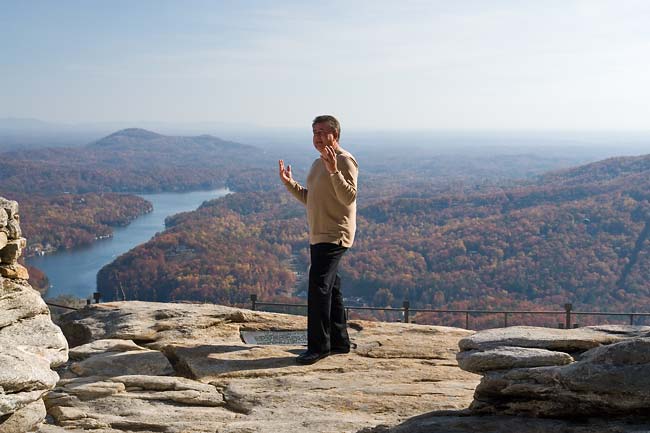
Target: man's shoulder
344	153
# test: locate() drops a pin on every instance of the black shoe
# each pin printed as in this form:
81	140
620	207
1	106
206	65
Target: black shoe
307	358
343	350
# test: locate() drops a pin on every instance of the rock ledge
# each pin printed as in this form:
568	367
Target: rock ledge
30	344
156	367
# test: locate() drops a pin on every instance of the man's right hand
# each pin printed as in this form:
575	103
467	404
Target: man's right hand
285	173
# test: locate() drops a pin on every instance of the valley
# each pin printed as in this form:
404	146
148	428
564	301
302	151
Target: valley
524	230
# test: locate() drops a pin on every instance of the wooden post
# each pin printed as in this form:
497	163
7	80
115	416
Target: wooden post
567	320
253	301
406	305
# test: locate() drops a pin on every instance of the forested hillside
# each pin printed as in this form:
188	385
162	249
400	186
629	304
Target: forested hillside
73	220
576	236
227	249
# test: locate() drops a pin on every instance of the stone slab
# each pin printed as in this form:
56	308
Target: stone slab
37	335
275	337
563	340
148	362
506	358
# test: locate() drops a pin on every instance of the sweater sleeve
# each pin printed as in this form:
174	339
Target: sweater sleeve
297	190
345	180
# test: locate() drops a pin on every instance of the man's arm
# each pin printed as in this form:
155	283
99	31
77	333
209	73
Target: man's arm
297	190
293	187
344	180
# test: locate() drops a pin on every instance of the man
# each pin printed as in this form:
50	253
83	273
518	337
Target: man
331	201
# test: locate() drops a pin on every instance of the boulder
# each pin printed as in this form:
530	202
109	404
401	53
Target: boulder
607	381
14	271
13	229
30	344
9	206
25	419
23	371
18	301
506	358
539	380
39	336
12	251
539	372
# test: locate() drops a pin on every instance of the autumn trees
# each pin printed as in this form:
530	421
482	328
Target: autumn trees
533	246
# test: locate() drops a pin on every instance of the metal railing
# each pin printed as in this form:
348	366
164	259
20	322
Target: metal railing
96	296
60	306
406	311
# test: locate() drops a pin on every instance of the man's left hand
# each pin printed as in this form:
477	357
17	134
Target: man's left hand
329	158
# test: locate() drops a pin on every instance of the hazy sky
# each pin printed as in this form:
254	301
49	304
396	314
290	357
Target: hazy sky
450	64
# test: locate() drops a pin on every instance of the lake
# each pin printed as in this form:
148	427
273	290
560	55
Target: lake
74	272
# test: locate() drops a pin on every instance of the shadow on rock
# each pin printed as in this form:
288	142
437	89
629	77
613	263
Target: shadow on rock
206	362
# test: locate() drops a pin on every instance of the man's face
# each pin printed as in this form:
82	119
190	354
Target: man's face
323	136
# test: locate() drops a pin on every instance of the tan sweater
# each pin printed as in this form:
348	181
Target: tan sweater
331	200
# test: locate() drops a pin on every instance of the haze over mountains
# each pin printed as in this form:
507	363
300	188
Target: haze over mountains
28	133
127	160
22	133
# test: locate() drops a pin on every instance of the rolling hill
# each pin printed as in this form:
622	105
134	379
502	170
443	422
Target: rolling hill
133	160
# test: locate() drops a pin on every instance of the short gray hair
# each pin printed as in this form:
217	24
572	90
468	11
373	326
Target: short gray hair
331	121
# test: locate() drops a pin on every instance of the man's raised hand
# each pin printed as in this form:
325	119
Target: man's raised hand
329	158
285	173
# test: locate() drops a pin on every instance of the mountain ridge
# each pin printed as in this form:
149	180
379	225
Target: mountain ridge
129	160
131	133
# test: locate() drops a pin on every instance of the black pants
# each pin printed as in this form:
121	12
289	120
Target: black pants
326	321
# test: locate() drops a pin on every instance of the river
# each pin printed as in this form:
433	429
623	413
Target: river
74	272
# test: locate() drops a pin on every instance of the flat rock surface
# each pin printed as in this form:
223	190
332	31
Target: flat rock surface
149	322
103	346
120	363
395	373
219	383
